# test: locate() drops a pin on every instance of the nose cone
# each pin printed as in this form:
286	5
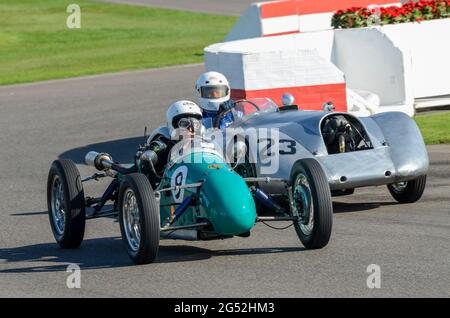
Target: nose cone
228	202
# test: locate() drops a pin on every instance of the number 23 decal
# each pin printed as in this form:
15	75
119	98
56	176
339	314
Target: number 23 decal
287	147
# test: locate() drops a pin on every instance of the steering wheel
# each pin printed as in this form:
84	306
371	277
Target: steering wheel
250	102
224	113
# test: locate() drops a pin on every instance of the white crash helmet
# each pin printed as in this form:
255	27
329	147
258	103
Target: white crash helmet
213	90
184	111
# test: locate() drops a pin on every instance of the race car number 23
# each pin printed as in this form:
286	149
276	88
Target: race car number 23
287	147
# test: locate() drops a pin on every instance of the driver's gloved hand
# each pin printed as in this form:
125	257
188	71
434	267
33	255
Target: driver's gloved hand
229	104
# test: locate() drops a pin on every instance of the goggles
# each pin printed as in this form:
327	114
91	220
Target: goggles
189	123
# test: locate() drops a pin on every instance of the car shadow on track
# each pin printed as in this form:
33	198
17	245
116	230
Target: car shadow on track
122	150
104	253
346	207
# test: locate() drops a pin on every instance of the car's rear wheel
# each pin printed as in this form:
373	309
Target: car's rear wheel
139	218
312	205
66	203
408	191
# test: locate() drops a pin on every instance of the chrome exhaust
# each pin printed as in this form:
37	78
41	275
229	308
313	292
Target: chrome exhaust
101	161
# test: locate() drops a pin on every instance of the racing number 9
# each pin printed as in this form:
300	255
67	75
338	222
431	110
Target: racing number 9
178	179
178	183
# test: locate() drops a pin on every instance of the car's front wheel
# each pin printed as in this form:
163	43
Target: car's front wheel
139	218
66	203
312	205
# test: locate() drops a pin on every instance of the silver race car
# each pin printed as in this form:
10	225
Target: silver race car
382	149
297	160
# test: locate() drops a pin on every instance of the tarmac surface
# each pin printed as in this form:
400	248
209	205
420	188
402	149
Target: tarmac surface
66	118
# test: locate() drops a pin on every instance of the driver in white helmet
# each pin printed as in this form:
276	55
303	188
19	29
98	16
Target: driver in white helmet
214	97
184	120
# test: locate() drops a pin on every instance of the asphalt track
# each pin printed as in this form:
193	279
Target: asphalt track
44	121
221	7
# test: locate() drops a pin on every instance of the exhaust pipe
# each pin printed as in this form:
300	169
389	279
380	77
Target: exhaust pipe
104	162
101	161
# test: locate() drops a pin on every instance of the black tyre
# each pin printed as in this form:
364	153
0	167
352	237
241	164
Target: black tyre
408	191
312	200
139	218
66	203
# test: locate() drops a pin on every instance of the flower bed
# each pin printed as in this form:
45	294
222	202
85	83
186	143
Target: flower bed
358	17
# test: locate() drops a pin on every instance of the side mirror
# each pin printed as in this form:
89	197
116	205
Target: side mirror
287	99
328	107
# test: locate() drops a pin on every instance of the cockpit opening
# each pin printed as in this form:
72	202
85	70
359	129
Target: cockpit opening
344	133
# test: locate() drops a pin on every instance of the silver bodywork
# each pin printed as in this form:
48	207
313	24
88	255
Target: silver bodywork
398	154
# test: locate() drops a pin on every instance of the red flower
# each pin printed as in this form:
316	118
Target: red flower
419	11
421	4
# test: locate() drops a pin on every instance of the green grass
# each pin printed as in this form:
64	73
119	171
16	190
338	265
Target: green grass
35	43
435	128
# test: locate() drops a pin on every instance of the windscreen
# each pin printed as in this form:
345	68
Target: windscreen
248	107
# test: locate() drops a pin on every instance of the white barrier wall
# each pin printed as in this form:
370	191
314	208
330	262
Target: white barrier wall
401	63
293	16
428	44
269	67
248	26
372	62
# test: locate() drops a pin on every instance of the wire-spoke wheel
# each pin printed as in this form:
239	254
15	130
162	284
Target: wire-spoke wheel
131	220
58	212
66	203
139	218
312	206
304	204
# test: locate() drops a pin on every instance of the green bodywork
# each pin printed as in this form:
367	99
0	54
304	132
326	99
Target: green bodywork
224	199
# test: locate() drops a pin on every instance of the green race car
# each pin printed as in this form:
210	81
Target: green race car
198	197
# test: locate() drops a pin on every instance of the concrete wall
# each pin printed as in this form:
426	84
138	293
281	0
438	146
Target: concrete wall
248	26
293	16
428	45
268	67
372	62
401	63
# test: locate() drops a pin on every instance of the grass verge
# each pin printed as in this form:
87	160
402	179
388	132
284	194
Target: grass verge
35	43
435	127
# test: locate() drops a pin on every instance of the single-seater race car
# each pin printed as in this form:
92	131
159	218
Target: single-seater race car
347	151
198	197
